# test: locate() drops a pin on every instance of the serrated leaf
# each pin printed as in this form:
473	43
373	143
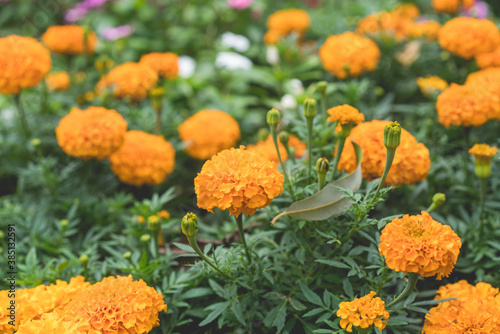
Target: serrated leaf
301	255
196	292
217	308
314	312
276	318
334	263
238	312
217	288
330	201
348	288
311	296
268	276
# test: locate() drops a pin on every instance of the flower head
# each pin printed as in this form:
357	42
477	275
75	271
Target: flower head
130	79
419	244
58	81
208	132
267	149
468	37
363	312
166	65
483	151
431	85
411	163
24	62
489	59
427	28
284	22
345	115
486	86
349	55
116	305
52	323
397	24
92	133
238	180
450	6
239	4
70	39
114	33
143	159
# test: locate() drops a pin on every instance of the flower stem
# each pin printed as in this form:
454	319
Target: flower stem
364	330
309	143
209	261
323	106
22	115
391	152
410	285
340	148
321	181
155	244
239	223
432	207
285	174
482	193
157	121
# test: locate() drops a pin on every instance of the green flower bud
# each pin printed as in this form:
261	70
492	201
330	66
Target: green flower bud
283	136
189	225
322	86
84	259
1	234
64	223
438	199
482	168
273	117
153	223
310	108
127	255
392	135
36	141
345	130
322	166
262	134
145	238
155	96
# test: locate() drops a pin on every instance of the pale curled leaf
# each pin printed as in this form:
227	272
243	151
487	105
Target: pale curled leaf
330	201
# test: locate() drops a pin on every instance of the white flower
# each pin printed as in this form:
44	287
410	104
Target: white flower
232	61
288	101
238	42
297	87
272	55
186	66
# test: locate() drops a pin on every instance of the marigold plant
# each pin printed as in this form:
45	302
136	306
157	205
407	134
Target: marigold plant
363	312
431	85
143	159
239	181
208	132
166	64
284	22
345	114
130	79
267	149
69	39
419	244
468	37
411	163
349	55
450	6
24	63
92	133
58	81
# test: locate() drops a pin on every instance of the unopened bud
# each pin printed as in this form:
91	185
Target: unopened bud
322	86
156	97
145	238
127	255
36	141
284	137
262	134
310	108
273	117
322	166
438	199
392	135
189	225
84	259
64	223
153	223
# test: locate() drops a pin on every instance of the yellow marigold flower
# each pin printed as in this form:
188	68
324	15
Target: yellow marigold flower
58	81
468	37
69	39
24	63
363	312
349	54
116	305
483	152
130	79
166	65
419	244
52	323
141	219
489	59
208	132
286	21
428	29
475	307
387	25
431	85
450	6
408	10
143	159
238	180
411	163
266	149
463	106
299	146
345	114
92	133
164	214
486	85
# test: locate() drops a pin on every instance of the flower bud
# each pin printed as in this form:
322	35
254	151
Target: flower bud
145	238
392	135
345	130
36	141
156	95
163	214
189	225
482	168
140	219
438	199
262	134
322	86
322	166
64	223
84	259
127	255
153	223
284	137
273	117
310	108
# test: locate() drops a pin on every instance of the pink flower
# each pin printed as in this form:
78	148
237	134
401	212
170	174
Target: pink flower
239	4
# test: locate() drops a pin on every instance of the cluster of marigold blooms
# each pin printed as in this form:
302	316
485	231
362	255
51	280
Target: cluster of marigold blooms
114	305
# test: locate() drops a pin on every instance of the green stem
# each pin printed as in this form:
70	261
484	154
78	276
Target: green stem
290	155
482	193
321	181
432	207
239	223
391	152
410	285
209	261
364	330
467	130
22	115
158	121
309	143
323	107
285	174
340	148
155	243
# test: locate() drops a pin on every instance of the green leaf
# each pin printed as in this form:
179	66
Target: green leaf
217	308
330	201
238	312
277	317
348	288
311	295
333	263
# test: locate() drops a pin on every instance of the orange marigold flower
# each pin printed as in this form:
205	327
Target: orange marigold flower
238	180
489	59
486	85
164	214
463	106
349	55
344	115
69	39
468	37
141	219
427	29
411	163
450	6
408	10
266	149
143	159
24	62
58	81
208	132
475	307
92	133
52	323
130	79
387	25
419	244
286	21
431	85
483	151
299	146
166	64
116	305
363	312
